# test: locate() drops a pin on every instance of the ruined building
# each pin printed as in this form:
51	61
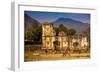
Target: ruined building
49	37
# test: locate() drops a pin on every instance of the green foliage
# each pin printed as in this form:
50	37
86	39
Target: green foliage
37	34
57	30
34	33
28	35
63	28
71	32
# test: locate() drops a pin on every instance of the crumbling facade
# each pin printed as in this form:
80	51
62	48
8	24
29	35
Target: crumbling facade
49	37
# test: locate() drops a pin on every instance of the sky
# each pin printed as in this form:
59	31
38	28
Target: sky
53	16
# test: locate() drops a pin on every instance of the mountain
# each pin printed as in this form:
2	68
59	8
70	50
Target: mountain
29	21
70	23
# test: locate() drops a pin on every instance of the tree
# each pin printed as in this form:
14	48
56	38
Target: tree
34	33
63	28
37	35
57	30
86	33
28	35
70	33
